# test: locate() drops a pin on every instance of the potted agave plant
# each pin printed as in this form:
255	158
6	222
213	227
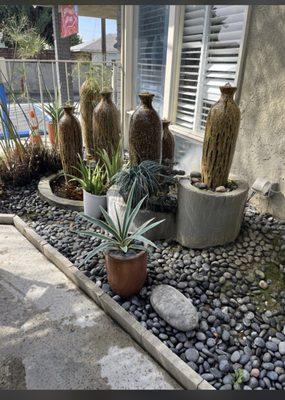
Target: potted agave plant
125	251
93	180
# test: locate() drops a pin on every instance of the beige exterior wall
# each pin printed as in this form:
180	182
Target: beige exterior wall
260	150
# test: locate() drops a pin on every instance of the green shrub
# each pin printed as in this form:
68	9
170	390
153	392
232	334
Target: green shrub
150	180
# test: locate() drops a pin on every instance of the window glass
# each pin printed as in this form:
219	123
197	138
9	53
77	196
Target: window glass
152	29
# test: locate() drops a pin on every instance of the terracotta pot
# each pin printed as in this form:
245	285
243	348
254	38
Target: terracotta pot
51	128
70	141
35	140
145	134
126	275
106	124
168	144
221	133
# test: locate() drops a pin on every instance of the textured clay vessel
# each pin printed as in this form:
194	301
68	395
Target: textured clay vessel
89	98
221	133
145	134
126	275
168	144
106	124
70	141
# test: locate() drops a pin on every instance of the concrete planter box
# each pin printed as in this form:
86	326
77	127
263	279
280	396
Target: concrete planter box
46	194
166	230
206	218
92	204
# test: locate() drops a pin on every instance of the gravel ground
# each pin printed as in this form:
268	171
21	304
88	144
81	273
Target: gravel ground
238	290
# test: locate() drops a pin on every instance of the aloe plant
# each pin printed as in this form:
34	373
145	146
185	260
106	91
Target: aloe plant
118	236
112	164
54	110
93	179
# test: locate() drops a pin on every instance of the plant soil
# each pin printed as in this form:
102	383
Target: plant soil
61	188
120	254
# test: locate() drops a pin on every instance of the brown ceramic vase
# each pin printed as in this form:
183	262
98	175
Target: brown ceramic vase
221	133
70	141
106	124
168	144
51	128
145	134
126	275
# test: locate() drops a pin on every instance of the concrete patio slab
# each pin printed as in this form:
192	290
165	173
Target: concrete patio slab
53	337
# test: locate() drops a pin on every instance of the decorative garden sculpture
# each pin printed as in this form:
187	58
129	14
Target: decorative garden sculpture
212	214
89	98
145	134
168	144
70	141
221	133
106	124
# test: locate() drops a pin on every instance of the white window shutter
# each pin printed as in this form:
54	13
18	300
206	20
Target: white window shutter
218	50
194	20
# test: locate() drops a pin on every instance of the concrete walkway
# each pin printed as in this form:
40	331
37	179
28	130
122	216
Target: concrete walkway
53	337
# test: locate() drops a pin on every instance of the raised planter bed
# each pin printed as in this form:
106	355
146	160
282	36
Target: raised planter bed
207	218
45	192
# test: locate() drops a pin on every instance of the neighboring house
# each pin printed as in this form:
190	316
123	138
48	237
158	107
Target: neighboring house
184	53
94	47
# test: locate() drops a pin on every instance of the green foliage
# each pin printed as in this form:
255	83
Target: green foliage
39	17
99	75
11	141
54	110
148	175
27	41
112	164
75	39
37	161
22	162
238	376
117	234
93	179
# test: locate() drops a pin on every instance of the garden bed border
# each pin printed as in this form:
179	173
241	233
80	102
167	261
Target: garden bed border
46	194
173	364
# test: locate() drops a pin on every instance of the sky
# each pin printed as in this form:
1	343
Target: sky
90	28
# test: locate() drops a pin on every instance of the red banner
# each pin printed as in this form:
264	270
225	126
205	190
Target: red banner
69	20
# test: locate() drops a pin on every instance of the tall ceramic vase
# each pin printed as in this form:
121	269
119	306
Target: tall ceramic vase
168	144
106	124
70	141
89	98
221	133
145	134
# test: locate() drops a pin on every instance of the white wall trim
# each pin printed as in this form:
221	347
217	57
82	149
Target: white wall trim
200	82
173	55
242	54
128	69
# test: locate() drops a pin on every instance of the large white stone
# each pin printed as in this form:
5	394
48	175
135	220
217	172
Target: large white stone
174	307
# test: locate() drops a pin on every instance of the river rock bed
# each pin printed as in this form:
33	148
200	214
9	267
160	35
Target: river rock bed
238	291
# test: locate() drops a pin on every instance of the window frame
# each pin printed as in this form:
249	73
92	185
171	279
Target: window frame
172	69
173	59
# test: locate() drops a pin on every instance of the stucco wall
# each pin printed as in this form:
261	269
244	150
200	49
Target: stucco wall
260	150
